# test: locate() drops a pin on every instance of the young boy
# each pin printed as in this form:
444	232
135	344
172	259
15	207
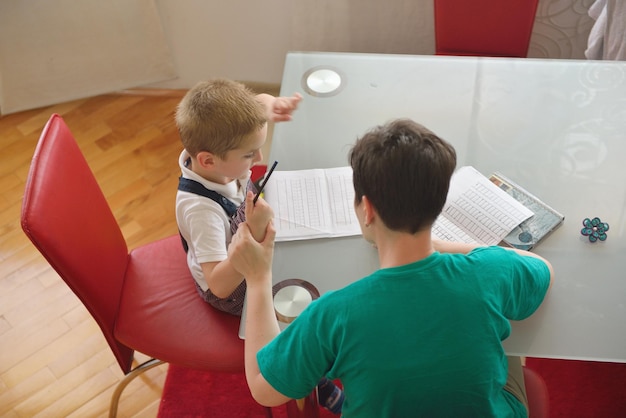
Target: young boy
223	126
422	335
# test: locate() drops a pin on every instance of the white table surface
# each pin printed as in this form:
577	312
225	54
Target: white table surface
557	127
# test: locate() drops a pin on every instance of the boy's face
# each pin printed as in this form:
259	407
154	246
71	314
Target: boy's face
239	160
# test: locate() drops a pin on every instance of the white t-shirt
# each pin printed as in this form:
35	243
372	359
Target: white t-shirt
203	223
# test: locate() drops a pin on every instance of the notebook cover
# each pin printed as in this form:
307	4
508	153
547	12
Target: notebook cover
530	232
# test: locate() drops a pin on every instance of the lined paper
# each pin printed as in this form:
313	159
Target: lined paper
319	203
477	211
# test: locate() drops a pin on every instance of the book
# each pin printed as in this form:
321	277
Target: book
477	211
544	221
319	203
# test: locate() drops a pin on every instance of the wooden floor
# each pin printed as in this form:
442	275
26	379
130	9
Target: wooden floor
54	362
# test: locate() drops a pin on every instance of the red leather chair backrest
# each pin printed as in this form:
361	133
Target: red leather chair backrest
67	218
537	394
484	27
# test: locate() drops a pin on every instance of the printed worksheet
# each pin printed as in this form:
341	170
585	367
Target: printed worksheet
477	211
317	203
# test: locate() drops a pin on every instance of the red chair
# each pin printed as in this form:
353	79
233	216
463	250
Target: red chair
494	28
143	300
537	394
258	171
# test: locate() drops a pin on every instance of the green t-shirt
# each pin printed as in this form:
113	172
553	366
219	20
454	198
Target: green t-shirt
422	339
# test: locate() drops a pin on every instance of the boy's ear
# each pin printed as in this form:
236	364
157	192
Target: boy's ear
205	159
369	211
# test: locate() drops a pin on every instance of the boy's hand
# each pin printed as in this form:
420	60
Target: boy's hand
258	216
252	259
281	108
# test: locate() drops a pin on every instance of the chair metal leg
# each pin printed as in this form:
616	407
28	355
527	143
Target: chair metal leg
137	371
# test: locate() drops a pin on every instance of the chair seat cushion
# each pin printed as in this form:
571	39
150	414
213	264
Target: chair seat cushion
162	315
537	394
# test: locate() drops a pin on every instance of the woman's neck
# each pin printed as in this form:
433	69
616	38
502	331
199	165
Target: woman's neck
400	248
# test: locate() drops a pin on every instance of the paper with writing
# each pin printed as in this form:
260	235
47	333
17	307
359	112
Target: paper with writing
476	211
317	203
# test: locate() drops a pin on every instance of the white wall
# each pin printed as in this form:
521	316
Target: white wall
53	51
238	39
247	40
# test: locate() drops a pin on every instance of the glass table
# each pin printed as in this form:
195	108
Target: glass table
556	127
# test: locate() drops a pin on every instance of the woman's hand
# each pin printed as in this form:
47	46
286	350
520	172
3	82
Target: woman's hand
252	259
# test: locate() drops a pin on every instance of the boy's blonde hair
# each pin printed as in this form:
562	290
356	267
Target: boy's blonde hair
216	115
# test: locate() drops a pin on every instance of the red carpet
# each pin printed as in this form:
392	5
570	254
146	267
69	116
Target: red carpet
583	389
190	393
578	389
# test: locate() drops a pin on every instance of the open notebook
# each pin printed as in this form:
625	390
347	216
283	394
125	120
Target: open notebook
319	203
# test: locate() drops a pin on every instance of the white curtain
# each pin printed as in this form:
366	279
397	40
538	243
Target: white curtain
607	40
374	26
53	51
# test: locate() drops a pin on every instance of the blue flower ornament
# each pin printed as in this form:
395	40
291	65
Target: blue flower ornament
595	229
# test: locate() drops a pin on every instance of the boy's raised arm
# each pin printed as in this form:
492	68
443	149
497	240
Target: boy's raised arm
279	109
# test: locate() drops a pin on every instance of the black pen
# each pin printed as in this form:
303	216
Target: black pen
269	173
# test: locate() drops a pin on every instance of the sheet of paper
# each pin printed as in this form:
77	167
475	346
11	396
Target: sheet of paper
319	203
478	211
312	203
